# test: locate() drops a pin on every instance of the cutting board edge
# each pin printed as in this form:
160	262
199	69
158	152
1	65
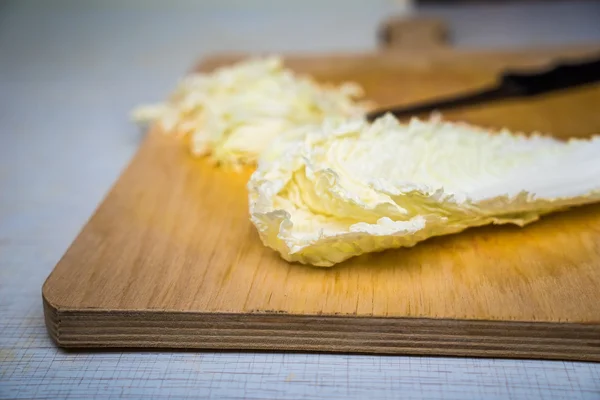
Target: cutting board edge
94	328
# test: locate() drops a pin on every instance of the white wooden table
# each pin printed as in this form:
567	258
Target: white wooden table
69	74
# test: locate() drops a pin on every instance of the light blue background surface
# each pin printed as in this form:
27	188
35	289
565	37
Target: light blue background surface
69	74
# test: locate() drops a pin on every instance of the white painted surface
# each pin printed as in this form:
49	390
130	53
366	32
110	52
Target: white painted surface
69	74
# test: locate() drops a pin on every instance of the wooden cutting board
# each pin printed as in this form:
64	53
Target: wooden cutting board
170	259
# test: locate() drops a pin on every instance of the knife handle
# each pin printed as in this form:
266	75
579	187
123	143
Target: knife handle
559	76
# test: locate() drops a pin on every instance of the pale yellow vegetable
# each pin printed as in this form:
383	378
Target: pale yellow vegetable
330	192
233	113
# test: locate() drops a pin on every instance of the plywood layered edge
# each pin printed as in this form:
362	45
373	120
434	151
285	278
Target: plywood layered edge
322	333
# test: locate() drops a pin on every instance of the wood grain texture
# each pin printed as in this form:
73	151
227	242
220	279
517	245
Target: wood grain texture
170	259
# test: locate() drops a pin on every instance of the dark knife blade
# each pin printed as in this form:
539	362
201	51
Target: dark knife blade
513	84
